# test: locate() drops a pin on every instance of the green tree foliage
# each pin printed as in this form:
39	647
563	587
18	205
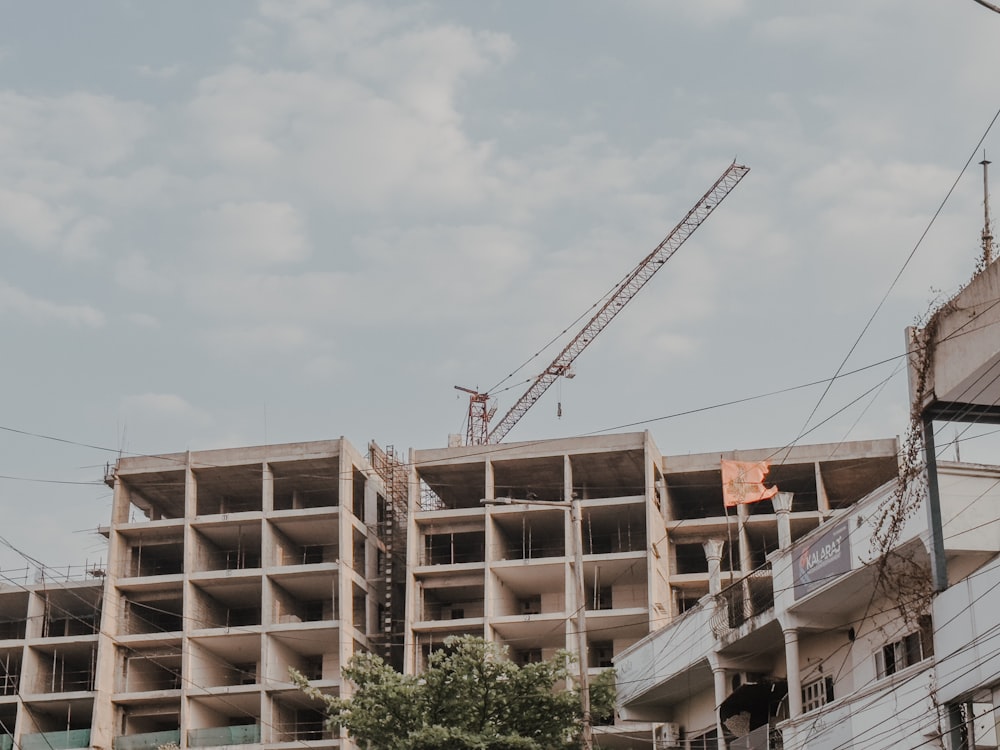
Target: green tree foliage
471	697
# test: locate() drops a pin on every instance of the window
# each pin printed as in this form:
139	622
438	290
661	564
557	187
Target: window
907	651
817	693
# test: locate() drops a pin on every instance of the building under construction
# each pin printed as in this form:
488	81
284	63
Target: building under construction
228	567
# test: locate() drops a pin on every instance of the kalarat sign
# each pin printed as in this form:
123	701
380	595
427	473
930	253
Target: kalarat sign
820	560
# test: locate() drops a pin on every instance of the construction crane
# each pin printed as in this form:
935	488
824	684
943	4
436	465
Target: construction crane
478	431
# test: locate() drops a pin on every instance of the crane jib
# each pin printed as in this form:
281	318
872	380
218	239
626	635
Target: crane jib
616	302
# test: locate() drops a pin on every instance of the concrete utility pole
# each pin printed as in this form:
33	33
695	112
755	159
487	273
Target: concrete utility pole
987	231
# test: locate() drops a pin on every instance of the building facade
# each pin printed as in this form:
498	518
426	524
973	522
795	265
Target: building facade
841	643
226	568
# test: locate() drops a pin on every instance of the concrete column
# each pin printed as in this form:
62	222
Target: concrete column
822	500
721	691
190	489
746	558
490	488
792	669
713	551
782	503
267	482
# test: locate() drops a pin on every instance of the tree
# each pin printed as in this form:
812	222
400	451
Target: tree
470	697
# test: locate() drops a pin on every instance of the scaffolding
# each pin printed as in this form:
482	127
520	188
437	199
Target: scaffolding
391	531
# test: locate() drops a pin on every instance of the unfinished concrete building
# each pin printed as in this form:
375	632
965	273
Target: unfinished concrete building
651	526
48	660
227	568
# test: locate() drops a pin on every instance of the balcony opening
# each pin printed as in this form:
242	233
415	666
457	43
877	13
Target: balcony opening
149	558
454	602
601	654
613	530
358	495
13	615
526	656
294	724
66	670
460	485
226	606
309	484
152	496
608	475
538	479
454	548
10	672
149	670
229	489
153	613
227	547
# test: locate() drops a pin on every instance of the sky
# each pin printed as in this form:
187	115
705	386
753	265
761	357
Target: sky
237	223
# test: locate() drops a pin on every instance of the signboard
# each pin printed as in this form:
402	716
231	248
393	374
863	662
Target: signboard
818	561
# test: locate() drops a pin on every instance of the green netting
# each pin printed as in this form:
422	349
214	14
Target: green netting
70	740
147	741
244	734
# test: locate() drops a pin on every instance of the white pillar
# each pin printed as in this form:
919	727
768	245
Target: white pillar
792	669
746	558
713	551
720	695
782	503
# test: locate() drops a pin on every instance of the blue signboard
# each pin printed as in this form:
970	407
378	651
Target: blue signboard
821	559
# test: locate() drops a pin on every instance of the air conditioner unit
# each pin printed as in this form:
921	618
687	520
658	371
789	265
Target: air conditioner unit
666	735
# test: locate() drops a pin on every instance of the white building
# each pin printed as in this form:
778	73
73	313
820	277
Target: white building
832	645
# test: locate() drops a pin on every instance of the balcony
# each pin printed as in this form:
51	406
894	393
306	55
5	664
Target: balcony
761	738
656	670
739	603
147	741
897	711
74	738
241	734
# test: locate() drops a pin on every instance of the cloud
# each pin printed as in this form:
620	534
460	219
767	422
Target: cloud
163	407
276	340
91	131
18	302
143	320
254	233
134	272
701	13
162	73
30	219
365	114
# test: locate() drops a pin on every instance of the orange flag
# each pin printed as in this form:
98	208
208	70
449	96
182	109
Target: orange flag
743	482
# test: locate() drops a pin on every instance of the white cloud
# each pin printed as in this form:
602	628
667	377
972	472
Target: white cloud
135	273
254	233
313	296
30	219
80	240
155	413
702	13
163	72
18	302
269	338
92	131
143	320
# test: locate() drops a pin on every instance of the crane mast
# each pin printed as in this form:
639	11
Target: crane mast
478	428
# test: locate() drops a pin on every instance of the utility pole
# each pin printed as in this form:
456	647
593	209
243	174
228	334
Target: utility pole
987	231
